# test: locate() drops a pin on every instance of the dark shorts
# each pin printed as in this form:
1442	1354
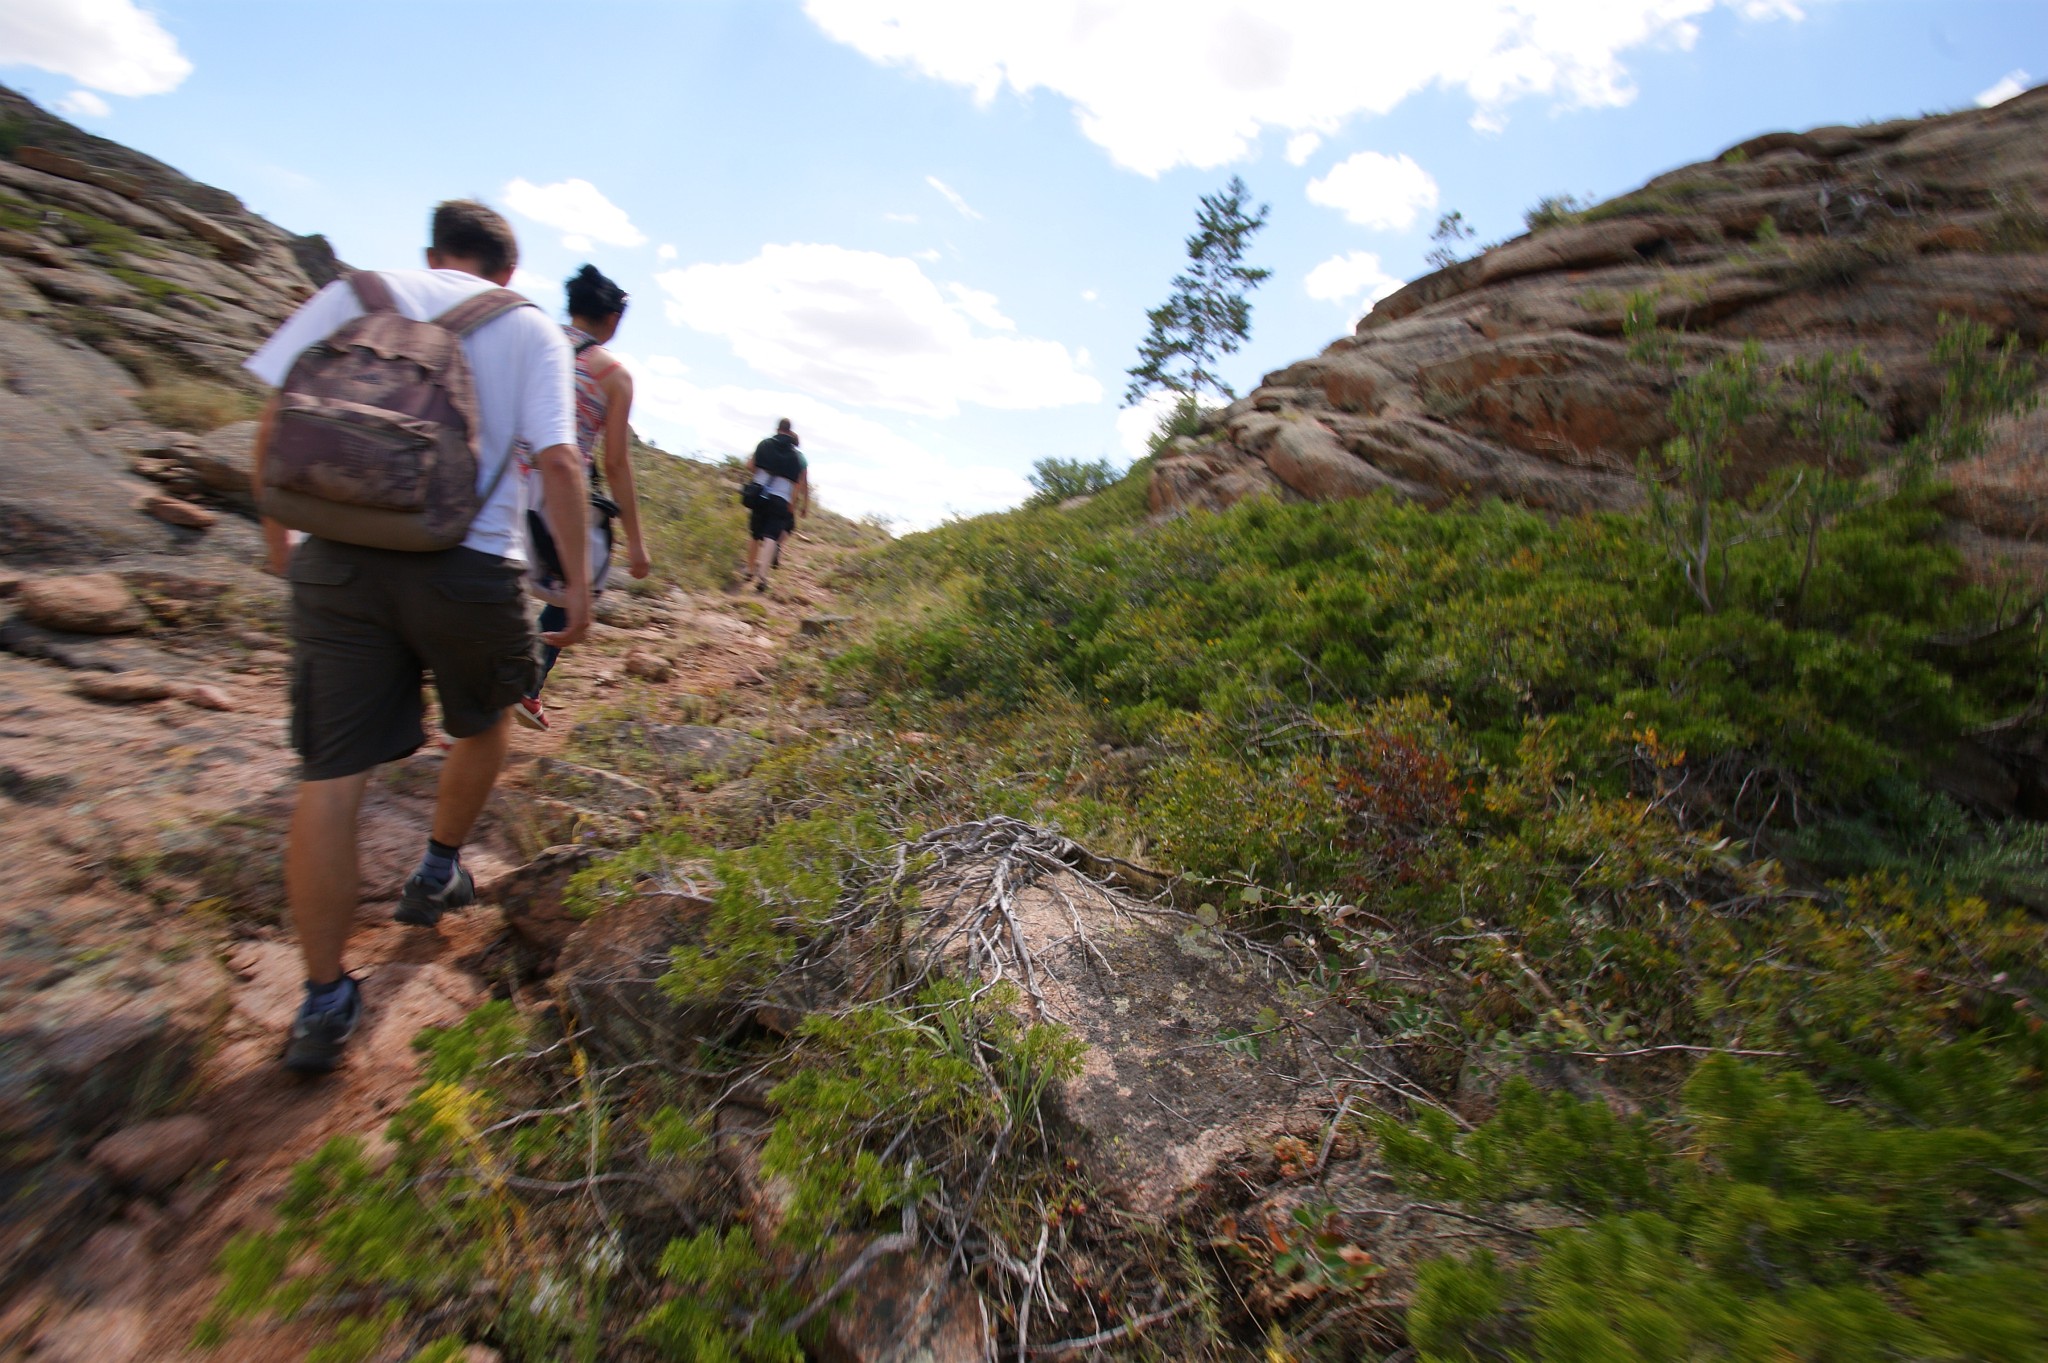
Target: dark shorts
368	623
771	519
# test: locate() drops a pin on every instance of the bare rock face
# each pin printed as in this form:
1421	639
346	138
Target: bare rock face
88	603
153	1156
123	688
1505	376
531	898
906	1310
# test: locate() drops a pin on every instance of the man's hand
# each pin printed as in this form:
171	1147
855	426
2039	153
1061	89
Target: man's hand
578	607
277	548
565	500
637	562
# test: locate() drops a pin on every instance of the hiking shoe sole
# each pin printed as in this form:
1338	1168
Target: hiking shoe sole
315	1042
530	713
422	908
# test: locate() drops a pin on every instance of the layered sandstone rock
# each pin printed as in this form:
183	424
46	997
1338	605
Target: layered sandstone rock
1505	375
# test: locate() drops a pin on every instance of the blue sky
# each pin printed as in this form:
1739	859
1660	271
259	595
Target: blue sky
928	230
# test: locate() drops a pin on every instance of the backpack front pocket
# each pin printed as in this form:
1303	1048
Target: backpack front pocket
351	453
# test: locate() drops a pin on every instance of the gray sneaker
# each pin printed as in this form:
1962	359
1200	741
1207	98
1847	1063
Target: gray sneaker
315	1042
422	907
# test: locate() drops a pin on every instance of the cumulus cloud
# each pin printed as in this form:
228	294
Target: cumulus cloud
113	46
858	466
952	196
1135	425
2013	83
1355	279
1374	190
1301	146
1165	83
83	104
873	330
577	209
665	252
538	287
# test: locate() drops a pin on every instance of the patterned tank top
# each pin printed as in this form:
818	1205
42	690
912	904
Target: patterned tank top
592	365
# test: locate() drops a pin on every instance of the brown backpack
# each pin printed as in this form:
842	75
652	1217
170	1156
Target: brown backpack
375	440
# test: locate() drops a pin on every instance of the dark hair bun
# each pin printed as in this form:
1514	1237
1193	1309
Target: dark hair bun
593	296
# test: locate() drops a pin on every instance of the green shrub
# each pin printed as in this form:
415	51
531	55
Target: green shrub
1057	480
197	405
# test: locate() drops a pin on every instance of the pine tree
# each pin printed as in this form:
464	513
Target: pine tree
1208	315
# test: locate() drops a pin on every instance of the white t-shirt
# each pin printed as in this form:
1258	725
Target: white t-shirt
523	368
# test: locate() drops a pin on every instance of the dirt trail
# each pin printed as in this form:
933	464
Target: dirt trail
128	775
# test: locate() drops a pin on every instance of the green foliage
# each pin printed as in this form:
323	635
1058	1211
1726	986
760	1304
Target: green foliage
1208	314
1184	418
703	1321
440	1222
769	896
1056	480
1687	479
1450	235
198	405
1555	210
1981	378
958	1065
1781	1226
691	520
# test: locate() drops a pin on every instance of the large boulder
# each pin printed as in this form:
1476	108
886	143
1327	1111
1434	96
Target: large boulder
87	603
1508	375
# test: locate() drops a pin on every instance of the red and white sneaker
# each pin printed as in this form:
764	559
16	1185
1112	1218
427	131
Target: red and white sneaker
527	710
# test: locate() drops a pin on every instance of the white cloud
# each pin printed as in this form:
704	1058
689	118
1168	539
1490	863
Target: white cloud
1355	279
899	217
109	45
576	208
2013	83
1135	425
665	252
929	253
1373	190
83	104
1301	146
538	287
952	196
872	330
858	466
1088	295
1165	83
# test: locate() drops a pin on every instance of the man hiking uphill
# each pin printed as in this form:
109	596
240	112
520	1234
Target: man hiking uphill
604	409
403	397
778	490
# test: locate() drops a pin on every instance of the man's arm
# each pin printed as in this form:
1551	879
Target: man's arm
618	464
565	498
277	541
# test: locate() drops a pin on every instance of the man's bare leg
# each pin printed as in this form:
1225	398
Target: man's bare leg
321	879
467	775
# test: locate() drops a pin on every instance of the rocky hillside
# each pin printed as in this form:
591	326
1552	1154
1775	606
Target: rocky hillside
1507	374
129	296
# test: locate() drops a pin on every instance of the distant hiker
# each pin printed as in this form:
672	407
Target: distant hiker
604	404
777	491
403	396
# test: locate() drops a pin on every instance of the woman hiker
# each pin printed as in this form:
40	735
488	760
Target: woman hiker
604	405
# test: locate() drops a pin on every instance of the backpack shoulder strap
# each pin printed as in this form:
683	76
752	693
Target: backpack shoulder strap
474	311
372	291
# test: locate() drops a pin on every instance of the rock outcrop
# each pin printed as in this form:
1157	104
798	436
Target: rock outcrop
1505	375
129	297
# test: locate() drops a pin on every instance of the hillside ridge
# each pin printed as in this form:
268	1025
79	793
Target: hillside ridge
1507	374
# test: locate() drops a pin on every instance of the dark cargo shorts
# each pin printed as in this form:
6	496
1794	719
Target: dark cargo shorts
770	519
367	623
